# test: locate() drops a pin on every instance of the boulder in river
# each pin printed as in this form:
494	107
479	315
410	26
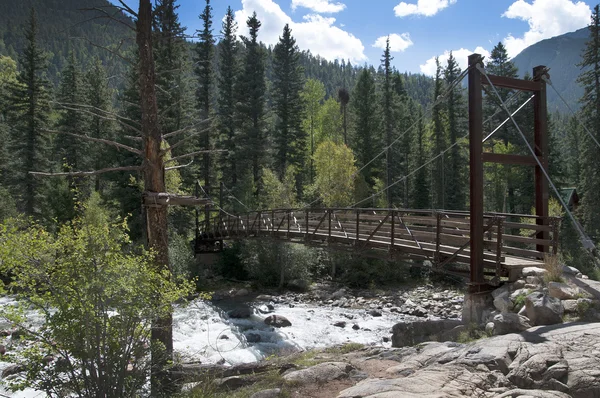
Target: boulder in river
277	321
241	312
411	333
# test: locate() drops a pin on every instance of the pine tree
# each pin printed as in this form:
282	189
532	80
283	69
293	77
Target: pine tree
99	97
439	142
366	138
174	87
420	198
250	105
30	102
312	96
344	97
288	80
590	109
204	72
71	151
456	177
388	123
227	51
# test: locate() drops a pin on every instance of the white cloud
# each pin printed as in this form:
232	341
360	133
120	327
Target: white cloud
461	56
320	6
546	19
316	33
398	43
426	8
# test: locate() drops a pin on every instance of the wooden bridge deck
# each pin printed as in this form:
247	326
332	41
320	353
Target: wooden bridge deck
441	237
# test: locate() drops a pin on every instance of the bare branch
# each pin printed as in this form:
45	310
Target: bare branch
86	173
181	141
101	140
183	130
107	115
187	155
126	7
181	166
133	138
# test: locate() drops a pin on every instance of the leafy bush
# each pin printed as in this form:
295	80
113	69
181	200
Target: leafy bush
97	295
271	263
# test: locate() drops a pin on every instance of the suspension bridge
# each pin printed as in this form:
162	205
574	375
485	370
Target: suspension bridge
481	246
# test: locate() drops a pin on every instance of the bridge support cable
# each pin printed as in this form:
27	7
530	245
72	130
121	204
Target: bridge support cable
589	133
587	243
464	137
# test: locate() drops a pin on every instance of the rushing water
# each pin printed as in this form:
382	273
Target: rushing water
203	332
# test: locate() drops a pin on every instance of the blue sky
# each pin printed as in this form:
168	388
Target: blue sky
418	29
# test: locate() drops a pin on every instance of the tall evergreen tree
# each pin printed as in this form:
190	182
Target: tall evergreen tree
288	80
344	97
99	97
388	123
174	94
227	61
204	72
456	177
420	198
30	103
439	142
366	137
250	105
590	109
70	150
312	96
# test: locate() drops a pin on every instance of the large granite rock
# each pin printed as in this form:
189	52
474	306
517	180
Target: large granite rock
543	310
411	333
320	373
562	291
557	361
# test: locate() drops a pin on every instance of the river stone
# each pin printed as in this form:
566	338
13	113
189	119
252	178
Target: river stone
277	321
510	323
503	304
543	309
562	291
241	312
12	370
320	373
340	324
273	393
253	338
375	313
522	393
411	333
570	306
231	383
242	292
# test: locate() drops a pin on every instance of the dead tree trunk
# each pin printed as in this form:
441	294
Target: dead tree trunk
154	182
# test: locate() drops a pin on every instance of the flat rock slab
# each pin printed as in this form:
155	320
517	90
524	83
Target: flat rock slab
320	373
556	361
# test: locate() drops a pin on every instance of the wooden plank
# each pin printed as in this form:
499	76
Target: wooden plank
530	254
533	227
508	82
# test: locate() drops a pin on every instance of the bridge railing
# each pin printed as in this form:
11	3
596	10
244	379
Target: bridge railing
439	236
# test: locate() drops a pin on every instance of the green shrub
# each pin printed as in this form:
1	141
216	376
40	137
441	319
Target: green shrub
97	295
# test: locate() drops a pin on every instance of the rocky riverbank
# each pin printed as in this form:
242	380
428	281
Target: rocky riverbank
557	361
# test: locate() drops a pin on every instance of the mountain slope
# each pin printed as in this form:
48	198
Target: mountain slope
65	26
561	54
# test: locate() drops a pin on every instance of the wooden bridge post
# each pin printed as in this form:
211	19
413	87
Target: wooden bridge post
540	116
357	227
329	227
393	224
438	240
476	170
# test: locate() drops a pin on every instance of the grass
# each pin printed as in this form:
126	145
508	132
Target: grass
264	381
554	268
